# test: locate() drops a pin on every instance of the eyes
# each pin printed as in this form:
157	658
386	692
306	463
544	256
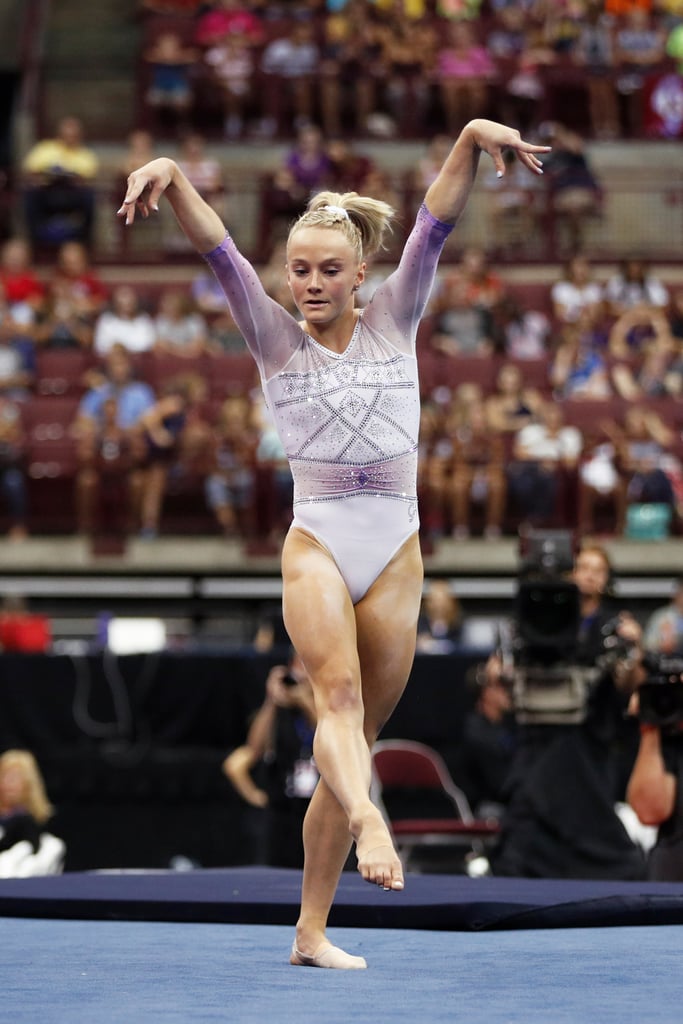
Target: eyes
326	271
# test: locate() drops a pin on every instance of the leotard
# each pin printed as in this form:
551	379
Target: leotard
348	421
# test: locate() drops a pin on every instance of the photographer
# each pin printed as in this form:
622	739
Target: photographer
654	791
279	749
560	819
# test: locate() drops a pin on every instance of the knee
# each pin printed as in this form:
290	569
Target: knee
338	692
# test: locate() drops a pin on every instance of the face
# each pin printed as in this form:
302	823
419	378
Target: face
591	573
11	786
72	258
322	273
125	301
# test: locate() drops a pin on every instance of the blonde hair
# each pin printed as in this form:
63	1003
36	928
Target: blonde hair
34	797
362	220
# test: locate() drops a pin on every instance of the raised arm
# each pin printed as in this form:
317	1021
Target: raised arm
202	225
447	195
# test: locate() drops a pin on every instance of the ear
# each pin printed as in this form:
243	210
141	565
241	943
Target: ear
360	274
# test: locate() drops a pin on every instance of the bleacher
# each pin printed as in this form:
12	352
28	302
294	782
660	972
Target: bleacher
643	210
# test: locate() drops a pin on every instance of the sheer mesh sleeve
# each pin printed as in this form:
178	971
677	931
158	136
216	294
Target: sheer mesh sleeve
271	333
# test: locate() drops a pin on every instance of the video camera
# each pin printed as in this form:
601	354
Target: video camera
661	695
548	687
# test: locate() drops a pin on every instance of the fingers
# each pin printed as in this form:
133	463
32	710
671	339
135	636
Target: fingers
134	198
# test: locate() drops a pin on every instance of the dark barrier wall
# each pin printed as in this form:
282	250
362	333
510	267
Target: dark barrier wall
131	747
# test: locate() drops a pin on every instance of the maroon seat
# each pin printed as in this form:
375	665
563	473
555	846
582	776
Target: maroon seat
60	371
418	772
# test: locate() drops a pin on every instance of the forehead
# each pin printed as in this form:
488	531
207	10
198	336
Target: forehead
317	244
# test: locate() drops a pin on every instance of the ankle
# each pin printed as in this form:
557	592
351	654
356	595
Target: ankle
309	938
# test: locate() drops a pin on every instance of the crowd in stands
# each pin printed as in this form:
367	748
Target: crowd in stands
558	405
408	68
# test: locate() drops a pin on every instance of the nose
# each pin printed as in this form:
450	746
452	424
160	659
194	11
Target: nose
314	282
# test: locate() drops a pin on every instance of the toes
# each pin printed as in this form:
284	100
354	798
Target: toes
381	867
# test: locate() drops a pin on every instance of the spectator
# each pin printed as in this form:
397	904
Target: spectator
642	446
308	161
461	325
654	370
519	332
209	301
231	65
594	53
206	175
180	329
225	17
161	426
579	369
427	168
169	61
633	285
484	286
409	51
562	26
512	405
139	150
280	741
202	170
546	457
601	484
12	470
523	88
116	380
440	623
290	64
463	73
349	170
108	478
575	193
64	325
19	281
24	807
477	475
640	49
59	187
487	745
229	487
664	627
125	323
514	207
17	350
575	291
74	279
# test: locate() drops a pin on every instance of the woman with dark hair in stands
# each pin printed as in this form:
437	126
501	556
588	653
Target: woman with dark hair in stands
342	388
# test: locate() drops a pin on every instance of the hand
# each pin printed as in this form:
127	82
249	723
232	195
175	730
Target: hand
493	138
153	178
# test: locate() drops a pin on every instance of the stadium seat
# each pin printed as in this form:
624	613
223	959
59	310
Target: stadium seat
422	804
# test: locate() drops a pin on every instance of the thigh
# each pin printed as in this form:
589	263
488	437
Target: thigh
386	623
317	609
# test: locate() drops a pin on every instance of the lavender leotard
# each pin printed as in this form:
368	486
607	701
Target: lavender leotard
348	421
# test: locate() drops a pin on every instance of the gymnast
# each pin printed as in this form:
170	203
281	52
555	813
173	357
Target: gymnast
342	387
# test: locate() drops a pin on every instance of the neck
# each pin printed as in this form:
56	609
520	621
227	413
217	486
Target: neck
336	335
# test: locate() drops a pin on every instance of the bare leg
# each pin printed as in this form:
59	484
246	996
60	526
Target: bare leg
377	639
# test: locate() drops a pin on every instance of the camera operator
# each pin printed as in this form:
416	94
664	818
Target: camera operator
279	750
560	820
655	788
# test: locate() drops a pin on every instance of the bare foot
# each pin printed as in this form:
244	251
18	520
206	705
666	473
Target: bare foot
378	861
